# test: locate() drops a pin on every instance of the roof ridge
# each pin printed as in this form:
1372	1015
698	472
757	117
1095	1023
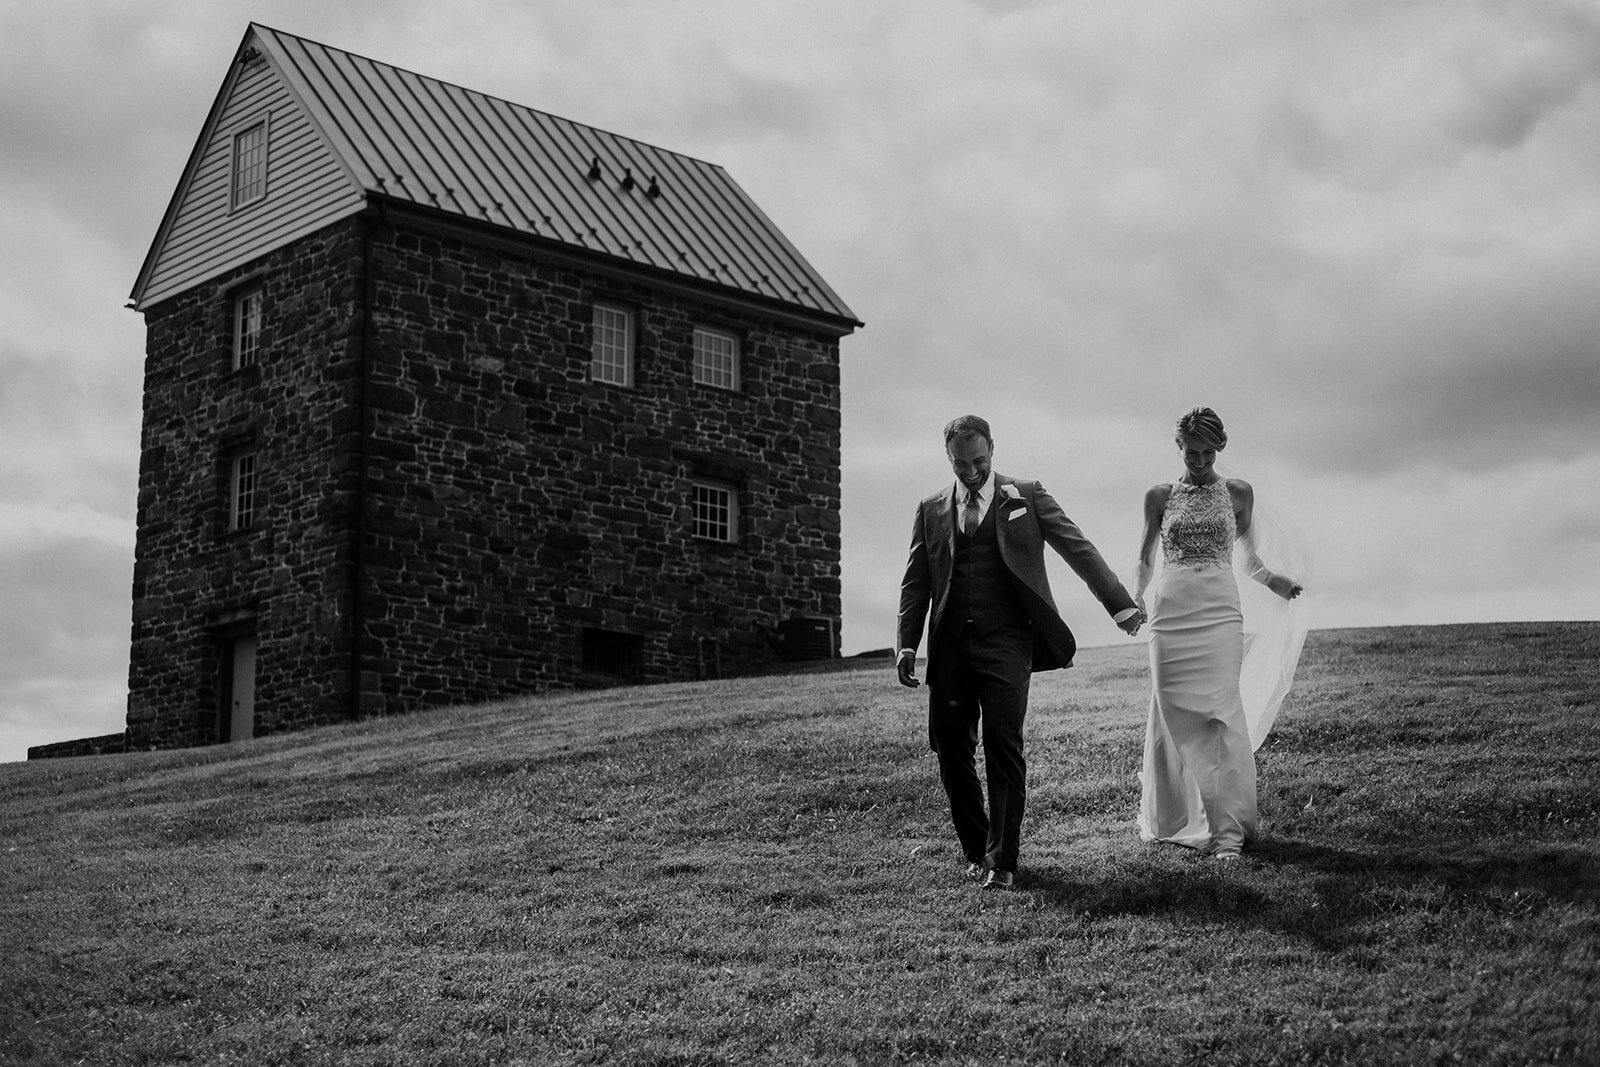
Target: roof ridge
417	140
489	96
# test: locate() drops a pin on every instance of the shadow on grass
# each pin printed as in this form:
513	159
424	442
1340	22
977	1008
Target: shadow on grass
1147	889
1539	874
1333	898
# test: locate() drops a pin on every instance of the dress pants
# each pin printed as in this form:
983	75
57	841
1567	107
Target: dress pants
980	682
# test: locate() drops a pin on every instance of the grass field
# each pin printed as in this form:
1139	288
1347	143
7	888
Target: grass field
761	870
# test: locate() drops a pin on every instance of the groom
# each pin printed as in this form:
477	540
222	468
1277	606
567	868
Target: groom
977	556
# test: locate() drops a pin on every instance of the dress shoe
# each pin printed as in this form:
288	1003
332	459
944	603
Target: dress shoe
998	879
976	870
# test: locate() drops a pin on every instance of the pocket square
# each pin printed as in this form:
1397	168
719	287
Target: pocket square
1015	515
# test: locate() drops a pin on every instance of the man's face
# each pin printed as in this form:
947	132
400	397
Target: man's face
970	458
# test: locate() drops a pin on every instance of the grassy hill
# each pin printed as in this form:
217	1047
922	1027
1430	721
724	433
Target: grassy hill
761	870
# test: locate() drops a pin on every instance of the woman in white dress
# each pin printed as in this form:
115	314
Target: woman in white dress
1199	776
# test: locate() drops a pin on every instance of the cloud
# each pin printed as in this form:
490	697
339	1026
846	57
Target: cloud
69	438
1365	232
65	631
1447	552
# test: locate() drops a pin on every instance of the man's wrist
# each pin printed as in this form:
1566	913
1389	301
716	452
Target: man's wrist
1124	615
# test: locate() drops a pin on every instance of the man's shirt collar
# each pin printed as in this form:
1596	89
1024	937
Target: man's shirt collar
985	492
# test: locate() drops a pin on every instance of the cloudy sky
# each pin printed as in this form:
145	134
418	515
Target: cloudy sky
1366	232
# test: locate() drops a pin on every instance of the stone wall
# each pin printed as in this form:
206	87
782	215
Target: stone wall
511	505
104	745
515	504
287	576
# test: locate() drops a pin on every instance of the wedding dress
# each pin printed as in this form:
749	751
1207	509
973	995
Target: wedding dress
1198	782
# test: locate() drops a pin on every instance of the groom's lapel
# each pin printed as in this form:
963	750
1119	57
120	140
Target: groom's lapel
1005	506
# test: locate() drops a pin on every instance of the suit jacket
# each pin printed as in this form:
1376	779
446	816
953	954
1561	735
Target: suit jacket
1027	518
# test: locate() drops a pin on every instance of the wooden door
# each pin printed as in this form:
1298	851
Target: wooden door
242	699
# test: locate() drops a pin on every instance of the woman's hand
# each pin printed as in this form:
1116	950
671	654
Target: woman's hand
1287	588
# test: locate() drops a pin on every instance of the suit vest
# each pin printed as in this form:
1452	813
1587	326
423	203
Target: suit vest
982	590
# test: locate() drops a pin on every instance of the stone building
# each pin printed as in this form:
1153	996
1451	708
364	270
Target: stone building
447	399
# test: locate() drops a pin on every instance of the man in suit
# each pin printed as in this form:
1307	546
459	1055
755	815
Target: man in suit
977	557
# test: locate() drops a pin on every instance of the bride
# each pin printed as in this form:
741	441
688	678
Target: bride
1199	776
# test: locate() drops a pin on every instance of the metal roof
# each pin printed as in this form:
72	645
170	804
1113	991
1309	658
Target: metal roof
419	140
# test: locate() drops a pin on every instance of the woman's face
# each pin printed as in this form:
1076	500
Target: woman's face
1198	458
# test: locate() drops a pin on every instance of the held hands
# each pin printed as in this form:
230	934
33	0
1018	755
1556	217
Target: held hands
905	669
1131	624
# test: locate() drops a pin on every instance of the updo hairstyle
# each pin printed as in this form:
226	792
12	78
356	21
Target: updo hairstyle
1203	425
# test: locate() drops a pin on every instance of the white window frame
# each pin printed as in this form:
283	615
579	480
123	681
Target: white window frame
243	488
611	345
716	358
247	166
246	327
715	508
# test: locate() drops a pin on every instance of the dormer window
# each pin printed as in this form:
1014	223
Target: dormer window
249	164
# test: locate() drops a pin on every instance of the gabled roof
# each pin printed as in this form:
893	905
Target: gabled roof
402	137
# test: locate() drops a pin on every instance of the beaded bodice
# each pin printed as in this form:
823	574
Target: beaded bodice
1197	528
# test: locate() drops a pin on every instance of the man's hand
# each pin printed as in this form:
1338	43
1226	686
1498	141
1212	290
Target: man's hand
1131	624
905	669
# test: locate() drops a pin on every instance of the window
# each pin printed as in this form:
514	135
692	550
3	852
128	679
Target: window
250	164
716	358
612	345
242	489
716	511
246	328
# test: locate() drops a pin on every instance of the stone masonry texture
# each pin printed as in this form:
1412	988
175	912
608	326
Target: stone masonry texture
448	508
